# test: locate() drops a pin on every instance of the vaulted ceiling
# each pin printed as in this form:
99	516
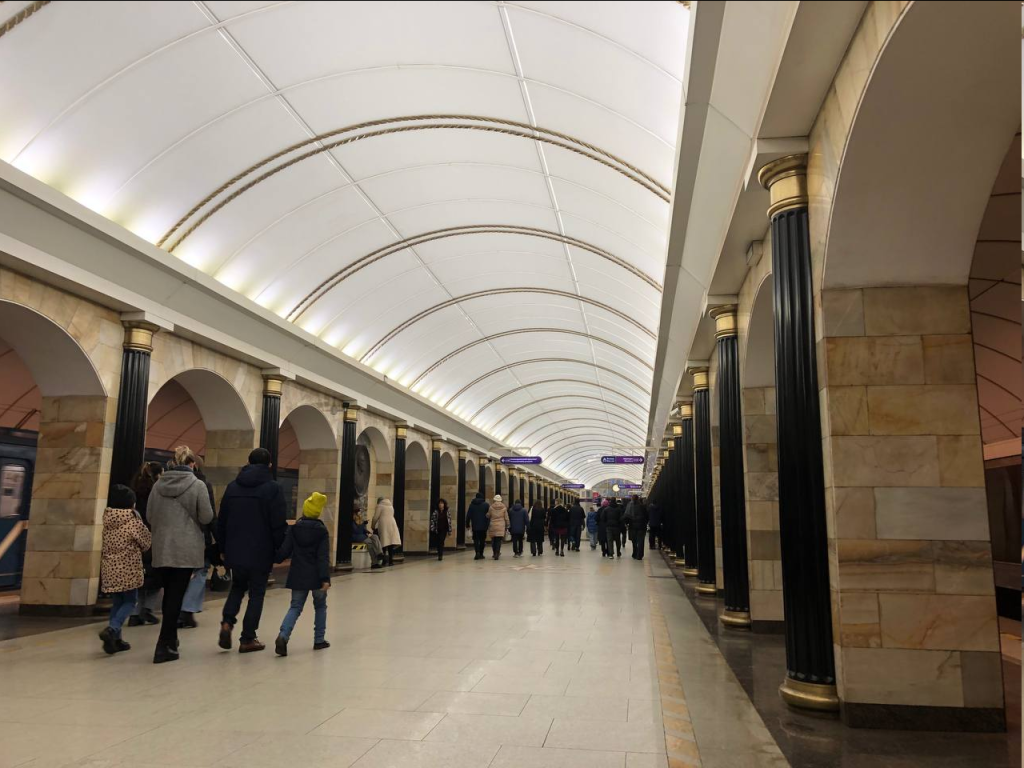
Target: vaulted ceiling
470	197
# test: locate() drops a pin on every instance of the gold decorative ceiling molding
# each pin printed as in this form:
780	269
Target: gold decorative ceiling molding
537	360
21	16
346	272
500	292
519	331
553	397
602	387
473	122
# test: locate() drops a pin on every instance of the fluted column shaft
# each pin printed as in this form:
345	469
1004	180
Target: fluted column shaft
129	447
706	576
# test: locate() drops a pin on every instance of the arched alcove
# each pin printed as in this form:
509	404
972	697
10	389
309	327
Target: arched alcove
415	537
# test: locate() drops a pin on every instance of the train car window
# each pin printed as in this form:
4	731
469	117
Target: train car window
12	487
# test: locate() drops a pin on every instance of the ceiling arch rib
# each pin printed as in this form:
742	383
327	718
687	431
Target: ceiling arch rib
480	86
517	331
341	275
528	385
498	292
538	360
583	448
488	124
549	447
589	398
625	426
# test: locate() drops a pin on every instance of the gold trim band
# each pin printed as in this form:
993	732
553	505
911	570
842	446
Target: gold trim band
725	321
139	336
690	573
736	619
272	386
700	379
820	697
786	182
709	590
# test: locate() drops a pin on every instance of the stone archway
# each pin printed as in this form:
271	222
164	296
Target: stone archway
374	468
415	537
57	533
309	447
903	159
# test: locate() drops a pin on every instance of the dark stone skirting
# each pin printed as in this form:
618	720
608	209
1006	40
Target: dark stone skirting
898	717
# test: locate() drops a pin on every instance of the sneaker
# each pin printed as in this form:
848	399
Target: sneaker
321	646
224	640
250	646
187	620
164	654
109	638
281	645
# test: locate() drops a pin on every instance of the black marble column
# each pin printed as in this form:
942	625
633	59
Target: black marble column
497	479
482	485
346	489
435	484
810	679
734	507
398	490
687	494
531	493
704	485
132	403
460	504
270	418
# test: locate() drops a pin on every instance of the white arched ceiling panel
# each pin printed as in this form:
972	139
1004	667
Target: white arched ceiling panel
495	240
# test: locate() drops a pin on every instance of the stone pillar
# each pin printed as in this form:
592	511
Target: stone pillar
497	478
435	485
482	484
132	402
671	508
734	513
522	488
687	493
398	491
706	575
530	488
346	489
270	420
810	667
460	504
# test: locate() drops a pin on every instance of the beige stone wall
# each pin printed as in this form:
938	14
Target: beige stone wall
416	536
761	486
72	470
319	470
911	569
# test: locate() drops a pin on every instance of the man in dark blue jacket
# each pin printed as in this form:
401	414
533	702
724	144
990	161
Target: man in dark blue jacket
251	527
476	518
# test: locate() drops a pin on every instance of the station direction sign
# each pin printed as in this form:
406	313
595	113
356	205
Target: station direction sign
622	459
521	460
576	486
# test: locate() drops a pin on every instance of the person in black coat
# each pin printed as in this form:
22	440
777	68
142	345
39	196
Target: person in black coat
476	518
602	527
654	519
308	545
638	527
577	517
535	533
560	523
251	528
613	528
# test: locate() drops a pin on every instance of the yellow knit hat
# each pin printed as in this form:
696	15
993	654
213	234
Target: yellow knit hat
314	505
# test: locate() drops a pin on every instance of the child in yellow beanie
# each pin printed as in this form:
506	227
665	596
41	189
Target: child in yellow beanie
308	545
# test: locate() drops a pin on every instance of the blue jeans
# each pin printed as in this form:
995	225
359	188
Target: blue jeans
121	609
193	602
319	613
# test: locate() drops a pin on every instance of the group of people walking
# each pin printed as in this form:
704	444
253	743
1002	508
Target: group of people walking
165	536
561	525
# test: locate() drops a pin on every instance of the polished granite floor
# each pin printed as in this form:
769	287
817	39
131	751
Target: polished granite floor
758	663
520	662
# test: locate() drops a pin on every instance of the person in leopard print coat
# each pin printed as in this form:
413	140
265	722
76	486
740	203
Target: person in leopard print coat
125	538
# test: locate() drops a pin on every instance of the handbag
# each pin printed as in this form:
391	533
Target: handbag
220	579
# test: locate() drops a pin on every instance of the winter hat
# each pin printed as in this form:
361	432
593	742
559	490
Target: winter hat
314	505
497	497
121	497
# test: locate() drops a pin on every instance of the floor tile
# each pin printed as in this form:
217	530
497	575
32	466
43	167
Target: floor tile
542	757
380	724
472	703
492	729
425	754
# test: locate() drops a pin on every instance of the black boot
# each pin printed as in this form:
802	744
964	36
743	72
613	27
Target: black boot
164	654
122	645
109	638
281	645
187	620
148	617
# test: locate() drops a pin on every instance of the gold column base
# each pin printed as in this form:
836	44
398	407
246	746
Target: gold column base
736	619
707	589
690	572
679	562
819	697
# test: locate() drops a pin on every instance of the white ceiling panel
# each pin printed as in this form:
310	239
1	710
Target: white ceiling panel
230	134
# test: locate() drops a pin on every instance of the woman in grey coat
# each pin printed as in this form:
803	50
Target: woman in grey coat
178	508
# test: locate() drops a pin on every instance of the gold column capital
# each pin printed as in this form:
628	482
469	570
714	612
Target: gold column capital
786	182
138	335
677	429
272	385
725	321
685	412
352	413
463	454
700	378
436	444
401	433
